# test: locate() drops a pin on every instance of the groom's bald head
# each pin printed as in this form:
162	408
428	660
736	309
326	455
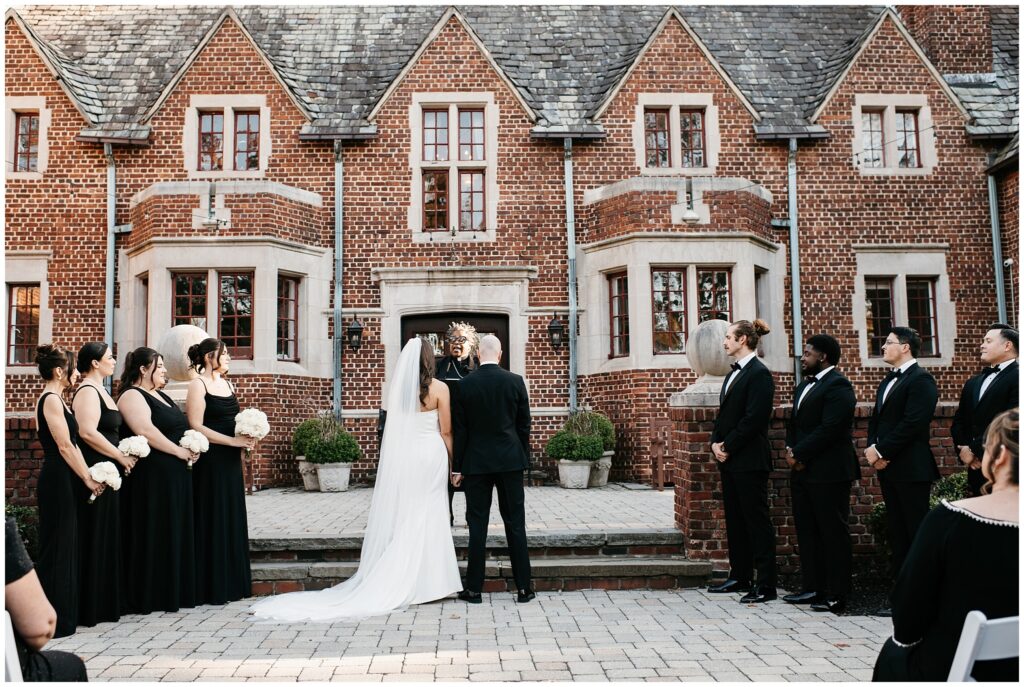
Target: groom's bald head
489	349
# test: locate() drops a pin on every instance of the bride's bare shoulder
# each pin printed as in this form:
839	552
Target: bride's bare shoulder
439	389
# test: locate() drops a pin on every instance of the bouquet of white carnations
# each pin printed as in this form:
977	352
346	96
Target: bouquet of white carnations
136	446
252	423
105	473
195	442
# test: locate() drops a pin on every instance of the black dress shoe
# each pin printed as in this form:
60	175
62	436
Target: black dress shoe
759	595
884	612
832	605
525	595
470	597
801	598
729	586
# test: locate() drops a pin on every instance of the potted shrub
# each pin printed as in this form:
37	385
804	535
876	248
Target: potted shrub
333	450
304	433
574	453
595	424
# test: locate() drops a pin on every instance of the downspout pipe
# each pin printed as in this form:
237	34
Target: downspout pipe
997	246
108	317
570	231
794	260
339	171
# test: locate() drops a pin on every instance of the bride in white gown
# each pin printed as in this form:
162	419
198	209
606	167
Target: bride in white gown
408	556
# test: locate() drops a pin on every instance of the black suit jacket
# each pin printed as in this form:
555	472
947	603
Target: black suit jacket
491	420
973	416
820	432
900	427
743	418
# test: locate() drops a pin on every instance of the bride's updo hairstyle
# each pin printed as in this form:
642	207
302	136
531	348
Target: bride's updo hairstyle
133	363
50	357
198	353
752	330
427	368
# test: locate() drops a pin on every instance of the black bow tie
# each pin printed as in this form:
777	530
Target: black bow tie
736	366
991	371
895	374
812	379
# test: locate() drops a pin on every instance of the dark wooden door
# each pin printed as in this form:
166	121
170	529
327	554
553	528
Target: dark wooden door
432	327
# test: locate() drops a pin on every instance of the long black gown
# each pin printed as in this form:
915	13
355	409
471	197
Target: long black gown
58	493
99	532
222	532
158	523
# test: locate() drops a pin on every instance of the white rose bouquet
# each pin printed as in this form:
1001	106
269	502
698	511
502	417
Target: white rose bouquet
105	473
136	446
195	442
252	423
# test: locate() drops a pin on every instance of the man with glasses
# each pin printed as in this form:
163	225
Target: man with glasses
898	441
984	396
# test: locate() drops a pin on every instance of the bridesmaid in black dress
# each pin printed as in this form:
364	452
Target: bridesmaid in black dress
59	489
99	523
160	564
222	534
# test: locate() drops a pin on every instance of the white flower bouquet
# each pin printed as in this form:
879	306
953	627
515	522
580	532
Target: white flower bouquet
195	442
137	446
252	423
105	473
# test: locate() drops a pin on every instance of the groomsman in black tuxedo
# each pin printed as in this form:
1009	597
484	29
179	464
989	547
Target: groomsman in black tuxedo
819	449
898	440
740	445
984	396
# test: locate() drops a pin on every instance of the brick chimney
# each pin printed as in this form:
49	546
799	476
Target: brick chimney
958	40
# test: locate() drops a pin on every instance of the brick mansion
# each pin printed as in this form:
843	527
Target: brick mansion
282	176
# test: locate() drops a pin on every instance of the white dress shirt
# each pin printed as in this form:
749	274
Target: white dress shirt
903	370
808	388
987	382
742	363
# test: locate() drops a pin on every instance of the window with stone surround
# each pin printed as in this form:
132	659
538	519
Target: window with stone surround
618	314
27	124
227	137
893	135
23	316
921	313
287	317
668	309
453	154
714	294
919	300
879	309
235	314
676	133
26	145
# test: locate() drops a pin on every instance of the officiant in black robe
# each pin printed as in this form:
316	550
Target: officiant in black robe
460	361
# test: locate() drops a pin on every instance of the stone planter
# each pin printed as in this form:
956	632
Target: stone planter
573	474
310	482
333	476
599	470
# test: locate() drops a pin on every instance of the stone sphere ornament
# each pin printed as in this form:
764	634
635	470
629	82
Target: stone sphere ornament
174	347
704	349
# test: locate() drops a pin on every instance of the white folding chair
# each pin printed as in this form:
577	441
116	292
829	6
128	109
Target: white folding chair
983	640
12	666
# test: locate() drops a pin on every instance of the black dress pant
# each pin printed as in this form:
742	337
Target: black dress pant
906	505
512	506
749	527
821	512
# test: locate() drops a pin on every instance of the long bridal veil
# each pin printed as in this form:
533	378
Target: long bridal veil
382	583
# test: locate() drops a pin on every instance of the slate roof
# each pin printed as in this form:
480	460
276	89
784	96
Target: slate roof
565	61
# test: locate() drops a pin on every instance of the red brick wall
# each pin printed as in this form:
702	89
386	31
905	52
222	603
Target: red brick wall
1009	225
699	510
23	456
955	39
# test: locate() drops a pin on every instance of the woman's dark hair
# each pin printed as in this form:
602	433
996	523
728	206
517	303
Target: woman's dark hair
94	350
1004	431
197	352
908	336
752	330
427	369
133	363
50	357
823	343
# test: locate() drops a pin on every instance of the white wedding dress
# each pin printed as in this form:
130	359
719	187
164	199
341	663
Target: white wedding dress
408	556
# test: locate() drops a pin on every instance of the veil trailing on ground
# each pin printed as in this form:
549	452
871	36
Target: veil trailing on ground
381	583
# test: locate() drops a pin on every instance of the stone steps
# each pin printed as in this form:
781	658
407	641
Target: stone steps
564	560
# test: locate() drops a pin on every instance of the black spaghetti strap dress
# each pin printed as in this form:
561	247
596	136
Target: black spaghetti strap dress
160	559
58	493
99	531
222	532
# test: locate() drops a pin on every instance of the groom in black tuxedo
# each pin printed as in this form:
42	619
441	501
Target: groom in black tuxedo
984	396
819	449
898	440
492	449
